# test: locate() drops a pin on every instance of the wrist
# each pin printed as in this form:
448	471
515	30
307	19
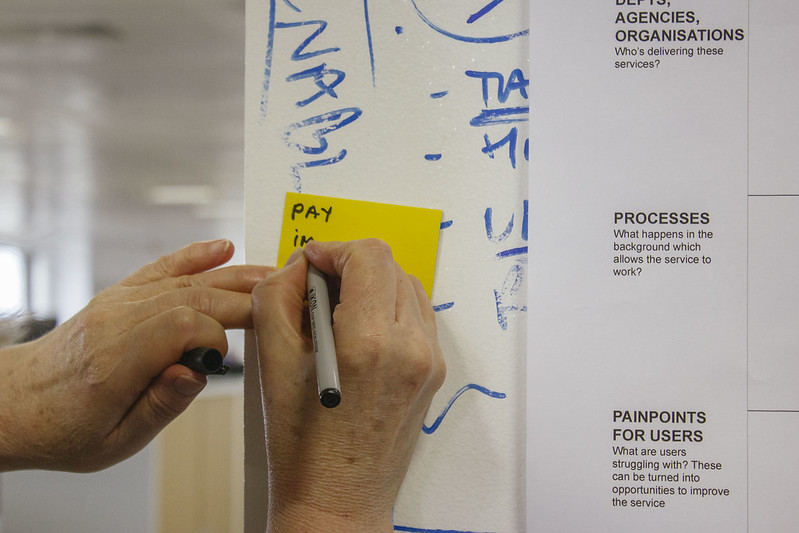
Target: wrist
28	424
305	518
14	450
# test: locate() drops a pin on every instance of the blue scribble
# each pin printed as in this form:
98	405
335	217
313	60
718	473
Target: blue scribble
295	169
510	139
369	38
491	394
511	291
352	114
489	225
292	6
440	94
422	530
323	162
526	152
296	178
270	47
525	219
446	224
505	115
488	220
432	157
491	5
510	298
516	82
318	74
522	250
299	53
443	307
465	38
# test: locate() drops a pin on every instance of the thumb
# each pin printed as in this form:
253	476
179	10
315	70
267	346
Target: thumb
160	403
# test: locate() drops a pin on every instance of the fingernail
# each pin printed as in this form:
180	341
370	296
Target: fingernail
296	254
310	249
219	247
187	386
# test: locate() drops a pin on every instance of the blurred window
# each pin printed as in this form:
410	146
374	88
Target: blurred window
12	280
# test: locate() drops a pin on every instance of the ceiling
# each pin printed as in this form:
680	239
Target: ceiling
121	135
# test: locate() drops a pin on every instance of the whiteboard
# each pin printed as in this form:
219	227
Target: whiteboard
422	103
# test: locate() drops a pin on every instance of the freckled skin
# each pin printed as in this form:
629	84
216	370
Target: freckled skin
100	386
340	469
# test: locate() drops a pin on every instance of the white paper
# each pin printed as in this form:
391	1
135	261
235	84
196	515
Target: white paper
681	117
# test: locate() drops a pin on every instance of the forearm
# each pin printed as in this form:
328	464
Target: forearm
42	424
16	413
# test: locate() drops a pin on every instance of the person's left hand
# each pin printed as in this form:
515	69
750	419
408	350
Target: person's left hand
99	387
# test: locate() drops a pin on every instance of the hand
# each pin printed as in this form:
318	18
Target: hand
340	469
99	387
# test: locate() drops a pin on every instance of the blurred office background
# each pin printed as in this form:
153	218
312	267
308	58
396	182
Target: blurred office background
121	139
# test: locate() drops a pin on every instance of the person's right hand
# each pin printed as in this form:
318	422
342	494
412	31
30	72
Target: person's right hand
100	386
340	469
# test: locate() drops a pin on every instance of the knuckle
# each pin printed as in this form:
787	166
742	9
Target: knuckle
376	247
259	301
184	319
185	282
414	357
371	349
268	284
360	352
419	289
421	361
440	370
237	277
264	293
201	301
164	264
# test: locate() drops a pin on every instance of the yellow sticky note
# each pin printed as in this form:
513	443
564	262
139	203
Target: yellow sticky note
412	232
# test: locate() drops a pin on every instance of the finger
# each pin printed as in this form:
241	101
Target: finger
368	276
425	307
233	310
238	278
160	341
191	259
408	309
423	311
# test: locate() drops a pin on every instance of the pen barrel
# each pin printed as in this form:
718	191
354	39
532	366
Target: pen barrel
324	343
204	360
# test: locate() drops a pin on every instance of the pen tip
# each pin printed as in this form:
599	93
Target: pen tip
330	397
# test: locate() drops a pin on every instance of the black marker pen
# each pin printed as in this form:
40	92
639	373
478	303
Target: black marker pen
204	360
